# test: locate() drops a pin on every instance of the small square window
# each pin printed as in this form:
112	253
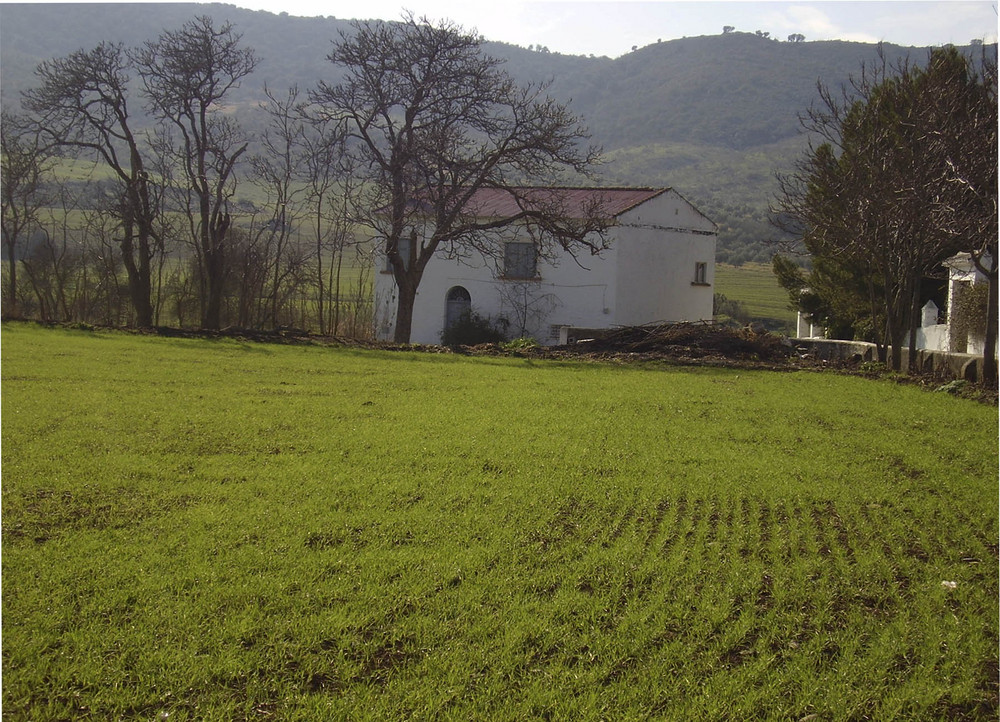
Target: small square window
403	247
520	260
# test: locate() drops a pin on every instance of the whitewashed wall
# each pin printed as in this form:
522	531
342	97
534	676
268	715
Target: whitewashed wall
646	276
659	244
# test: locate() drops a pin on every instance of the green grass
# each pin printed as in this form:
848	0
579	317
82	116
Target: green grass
755	285
221	530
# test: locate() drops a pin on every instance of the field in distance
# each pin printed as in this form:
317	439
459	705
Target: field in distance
755	286
214	529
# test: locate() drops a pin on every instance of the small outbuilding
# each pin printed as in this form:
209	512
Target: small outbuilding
955	335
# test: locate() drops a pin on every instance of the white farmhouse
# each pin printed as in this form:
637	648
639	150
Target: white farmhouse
660	267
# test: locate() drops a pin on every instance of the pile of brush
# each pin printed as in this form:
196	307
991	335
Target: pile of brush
691	340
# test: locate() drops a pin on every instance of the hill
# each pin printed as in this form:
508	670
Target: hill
712	116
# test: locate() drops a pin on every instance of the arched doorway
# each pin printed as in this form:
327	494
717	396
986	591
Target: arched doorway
458	303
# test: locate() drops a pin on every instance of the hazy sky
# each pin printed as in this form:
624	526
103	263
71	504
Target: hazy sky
606	27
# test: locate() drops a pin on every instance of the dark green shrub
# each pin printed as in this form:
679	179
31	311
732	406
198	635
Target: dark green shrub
472	329
730	312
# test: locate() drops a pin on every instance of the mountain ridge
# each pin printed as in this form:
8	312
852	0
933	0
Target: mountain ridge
714	116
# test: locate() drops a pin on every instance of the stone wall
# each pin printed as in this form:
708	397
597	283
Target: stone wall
952	365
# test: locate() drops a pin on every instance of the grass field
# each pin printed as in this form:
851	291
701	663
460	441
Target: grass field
222	530
755	285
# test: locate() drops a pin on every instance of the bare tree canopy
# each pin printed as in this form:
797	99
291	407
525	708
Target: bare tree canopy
427	121
187	73
24	164
82	103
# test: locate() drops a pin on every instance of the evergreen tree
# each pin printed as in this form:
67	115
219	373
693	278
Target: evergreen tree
875	202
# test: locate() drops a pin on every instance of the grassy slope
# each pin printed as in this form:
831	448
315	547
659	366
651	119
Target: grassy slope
755	285
222	530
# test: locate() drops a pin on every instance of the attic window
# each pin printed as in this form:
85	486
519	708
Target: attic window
700	274
520	260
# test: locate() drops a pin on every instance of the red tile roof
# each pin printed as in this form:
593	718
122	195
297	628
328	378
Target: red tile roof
500	202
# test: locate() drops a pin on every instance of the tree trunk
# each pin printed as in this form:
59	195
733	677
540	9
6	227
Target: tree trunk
404	313
915	319
139	281
212	319
215	269
896	332
407	273
275	290
896	356
990	340
140	292
12	298
321	290
336	294
898	317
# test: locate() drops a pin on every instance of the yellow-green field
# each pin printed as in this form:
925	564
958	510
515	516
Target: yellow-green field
221	530
754	285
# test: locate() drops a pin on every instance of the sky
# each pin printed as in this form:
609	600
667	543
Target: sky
612	28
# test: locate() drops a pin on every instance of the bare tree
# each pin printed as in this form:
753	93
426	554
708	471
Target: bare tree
276	170
303	172
54	262
104	296
526	307
25	164
429	120
330	185
82	104
187	74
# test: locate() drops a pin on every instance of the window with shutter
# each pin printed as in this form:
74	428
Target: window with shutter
520	260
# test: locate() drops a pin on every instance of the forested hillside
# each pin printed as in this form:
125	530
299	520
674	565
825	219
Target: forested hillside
712	116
